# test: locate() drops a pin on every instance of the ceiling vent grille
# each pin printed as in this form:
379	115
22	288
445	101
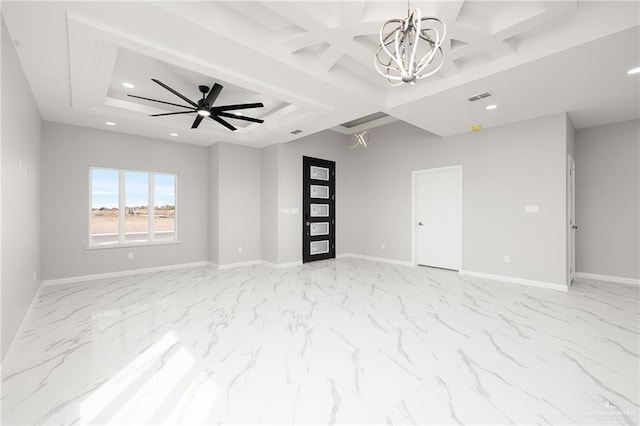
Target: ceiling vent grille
479	96
364	120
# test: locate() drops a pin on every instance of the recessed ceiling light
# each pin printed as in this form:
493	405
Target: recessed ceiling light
490	107
129	85
109	123
173	134
634	71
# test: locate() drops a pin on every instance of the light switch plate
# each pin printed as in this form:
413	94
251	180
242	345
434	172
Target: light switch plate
531	209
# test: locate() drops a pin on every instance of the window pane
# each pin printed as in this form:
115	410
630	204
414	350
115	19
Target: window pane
164	217
105	217
136	217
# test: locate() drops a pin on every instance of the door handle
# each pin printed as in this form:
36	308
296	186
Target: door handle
420	224
574	227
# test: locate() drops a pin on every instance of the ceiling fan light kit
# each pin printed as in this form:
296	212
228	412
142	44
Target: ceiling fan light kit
410	49
204	107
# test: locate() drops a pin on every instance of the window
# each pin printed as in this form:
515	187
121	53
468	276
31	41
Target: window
120	207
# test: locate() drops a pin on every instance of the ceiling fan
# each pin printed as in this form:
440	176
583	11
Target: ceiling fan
204	107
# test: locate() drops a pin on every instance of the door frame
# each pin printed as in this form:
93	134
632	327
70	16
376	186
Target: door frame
306	201
571	219
414	205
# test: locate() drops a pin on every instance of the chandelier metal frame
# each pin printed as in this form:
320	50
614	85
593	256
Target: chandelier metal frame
396	59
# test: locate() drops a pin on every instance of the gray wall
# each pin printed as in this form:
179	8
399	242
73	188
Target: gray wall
68	152
269	202
21	231
238	204
504	169
608	200
213	220
327	145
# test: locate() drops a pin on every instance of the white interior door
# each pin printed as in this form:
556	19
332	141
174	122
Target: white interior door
437	224
571	193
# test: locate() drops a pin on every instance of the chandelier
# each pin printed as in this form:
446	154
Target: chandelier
410	49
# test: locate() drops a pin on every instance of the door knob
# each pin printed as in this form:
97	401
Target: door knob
574	227
420	223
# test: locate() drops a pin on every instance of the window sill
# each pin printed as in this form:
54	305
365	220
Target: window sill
133	244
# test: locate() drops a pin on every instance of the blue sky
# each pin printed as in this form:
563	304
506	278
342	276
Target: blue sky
105	189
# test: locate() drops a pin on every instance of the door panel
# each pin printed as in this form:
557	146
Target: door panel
318	208
437	214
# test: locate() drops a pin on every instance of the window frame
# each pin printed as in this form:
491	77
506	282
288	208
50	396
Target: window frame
122	209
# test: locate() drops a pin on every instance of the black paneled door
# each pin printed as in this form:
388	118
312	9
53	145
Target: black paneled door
319	209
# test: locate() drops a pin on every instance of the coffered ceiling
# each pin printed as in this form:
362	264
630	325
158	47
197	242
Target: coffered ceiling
311	64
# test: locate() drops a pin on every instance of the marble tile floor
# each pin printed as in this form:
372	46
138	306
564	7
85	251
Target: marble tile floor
346	341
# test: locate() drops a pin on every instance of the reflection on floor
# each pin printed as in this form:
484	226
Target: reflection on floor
335	342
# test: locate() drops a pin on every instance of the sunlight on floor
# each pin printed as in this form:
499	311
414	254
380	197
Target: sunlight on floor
142	386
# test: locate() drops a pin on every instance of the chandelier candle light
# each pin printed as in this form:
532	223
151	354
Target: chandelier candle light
410	49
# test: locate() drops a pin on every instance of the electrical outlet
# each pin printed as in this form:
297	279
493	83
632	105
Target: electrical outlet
382	246
130	255
507	259
239	249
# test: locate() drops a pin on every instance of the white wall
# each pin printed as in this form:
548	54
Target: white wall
608	200
238	204
20	219
68	152
504	169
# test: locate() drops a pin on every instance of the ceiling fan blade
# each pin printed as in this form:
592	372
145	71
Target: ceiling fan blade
221	121
197	121
173	113
213	94
239	117
184	98
238	106
162	102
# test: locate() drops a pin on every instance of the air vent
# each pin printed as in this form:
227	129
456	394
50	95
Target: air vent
479	96
295	132
363	120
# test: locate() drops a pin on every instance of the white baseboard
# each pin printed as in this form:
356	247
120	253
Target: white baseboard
24	318
374	259
240	264
543	284
610	278
259	262
282	265
77	279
